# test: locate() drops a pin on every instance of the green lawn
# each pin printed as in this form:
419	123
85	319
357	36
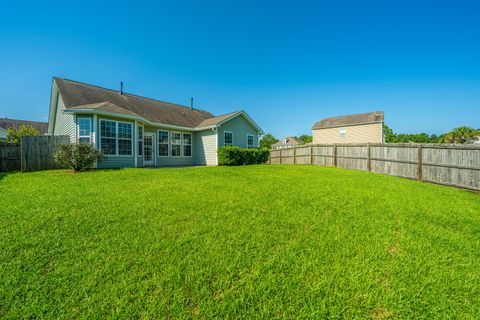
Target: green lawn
230	242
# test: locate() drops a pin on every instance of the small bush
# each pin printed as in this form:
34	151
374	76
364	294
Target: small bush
79	157
236	156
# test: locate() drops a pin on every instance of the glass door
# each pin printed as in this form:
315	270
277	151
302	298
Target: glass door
148	153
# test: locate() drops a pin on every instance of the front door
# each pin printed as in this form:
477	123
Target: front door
148	152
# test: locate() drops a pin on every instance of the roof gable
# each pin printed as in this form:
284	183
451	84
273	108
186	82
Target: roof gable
354	119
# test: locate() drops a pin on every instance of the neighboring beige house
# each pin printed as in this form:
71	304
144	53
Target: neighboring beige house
355	128
288	142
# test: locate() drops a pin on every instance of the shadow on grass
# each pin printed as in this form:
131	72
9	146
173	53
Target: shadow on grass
4	174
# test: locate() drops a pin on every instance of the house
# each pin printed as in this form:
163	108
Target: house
288	142
355	128
6	123
134	131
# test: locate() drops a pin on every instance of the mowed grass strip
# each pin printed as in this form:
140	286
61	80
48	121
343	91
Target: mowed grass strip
236	242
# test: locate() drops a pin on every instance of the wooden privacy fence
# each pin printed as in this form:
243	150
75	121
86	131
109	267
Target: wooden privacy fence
452	165
32	154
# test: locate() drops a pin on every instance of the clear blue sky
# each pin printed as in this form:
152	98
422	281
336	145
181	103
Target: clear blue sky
287	63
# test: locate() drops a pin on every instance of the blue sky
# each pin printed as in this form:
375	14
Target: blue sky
287	63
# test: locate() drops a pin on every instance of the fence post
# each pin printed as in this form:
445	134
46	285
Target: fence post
294	155
335	155
311	154
420	163
369	162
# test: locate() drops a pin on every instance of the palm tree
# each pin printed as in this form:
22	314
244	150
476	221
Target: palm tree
460	135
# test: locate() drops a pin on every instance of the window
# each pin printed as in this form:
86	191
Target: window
187	144
108	135
163	143
84	129
227	138
140	141
343	132
116	138
250	141
176	144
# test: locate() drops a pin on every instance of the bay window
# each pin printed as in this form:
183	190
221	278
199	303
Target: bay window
187	144
84	130
116	138
176	144
163	138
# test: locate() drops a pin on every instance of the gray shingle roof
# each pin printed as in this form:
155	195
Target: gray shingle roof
361	118
289	140
42	127
77	95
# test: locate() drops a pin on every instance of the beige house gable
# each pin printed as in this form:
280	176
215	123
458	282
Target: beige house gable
356	128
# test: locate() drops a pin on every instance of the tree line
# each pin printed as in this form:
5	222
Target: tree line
458	135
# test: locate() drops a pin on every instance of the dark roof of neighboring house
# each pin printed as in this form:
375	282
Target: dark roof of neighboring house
218	119
77	95
6	123
361	118
289	140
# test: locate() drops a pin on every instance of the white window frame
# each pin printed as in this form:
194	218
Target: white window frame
342	133
175	144
224	143
253	140
186	144
168	143
140	139
116	138
78	129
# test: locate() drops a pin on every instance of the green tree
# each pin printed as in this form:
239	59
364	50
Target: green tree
14	135
390	137
267	140
306	138
460	135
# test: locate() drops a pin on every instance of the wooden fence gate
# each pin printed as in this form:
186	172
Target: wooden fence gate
452	165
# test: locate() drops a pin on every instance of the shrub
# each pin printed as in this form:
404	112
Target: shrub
236	156
79	157
15	135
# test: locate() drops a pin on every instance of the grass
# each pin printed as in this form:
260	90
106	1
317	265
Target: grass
236	242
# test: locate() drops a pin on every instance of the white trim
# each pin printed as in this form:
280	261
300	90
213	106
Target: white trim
135	147
168	144
116	138
138	138
216	146
224	138
77	129
253	140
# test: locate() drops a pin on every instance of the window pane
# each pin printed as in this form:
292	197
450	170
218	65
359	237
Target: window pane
175	150
140	147
176	138
124	147
140	133
250	141
84	127
124	130
228	138
108	146
85	140
187	150
187	138
163	150
163	137
108	129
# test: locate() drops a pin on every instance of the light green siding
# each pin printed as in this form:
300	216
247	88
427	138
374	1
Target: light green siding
205	148
240	127
64	122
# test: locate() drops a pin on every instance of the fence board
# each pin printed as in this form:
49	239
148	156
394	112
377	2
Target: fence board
452	165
